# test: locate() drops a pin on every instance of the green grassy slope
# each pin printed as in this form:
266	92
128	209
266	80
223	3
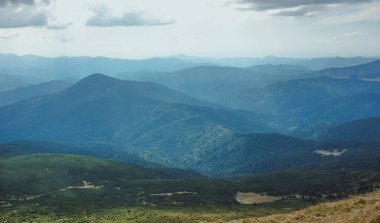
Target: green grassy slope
114	182
45	173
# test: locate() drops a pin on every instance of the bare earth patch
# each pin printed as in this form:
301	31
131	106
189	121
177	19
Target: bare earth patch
254	198
334	152
170	194
362	208
86	185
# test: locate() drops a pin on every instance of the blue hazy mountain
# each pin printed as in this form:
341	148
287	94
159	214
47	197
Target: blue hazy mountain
149	124
359	130
132	115
216	83
11	96
310	63
63	67
309	101
367	71
12	81
292	95
78	67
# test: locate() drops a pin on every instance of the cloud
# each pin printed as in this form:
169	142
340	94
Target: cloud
15	17
293	7
27	13
4	3
53	25
349	35
105	17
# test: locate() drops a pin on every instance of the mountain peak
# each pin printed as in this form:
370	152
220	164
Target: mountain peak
98	77
99	80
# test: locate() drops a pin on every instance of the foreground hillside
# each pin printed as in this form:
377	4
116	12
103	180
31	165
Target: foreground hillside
73	188
35	174
365	208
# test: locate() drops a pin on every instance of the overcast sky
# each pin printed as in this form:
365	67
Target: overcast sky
214	28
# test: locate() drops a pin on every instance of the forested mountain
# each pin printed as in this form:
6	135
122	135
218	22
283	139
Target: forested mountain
134	115
292	96
309	101
215	83
152	125
362	130
299	93
368	71
101	108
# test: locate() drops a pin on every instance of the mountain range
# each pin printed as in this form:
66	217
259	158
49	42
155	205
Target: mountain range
152	125
292	97
310	63
44	68
133	115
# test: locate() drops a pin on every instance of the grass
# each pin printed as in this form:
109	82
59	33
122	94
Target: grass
32	212
362	208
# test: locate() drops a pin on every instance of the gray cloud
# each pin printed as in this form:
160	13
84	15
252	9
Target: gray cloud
16	2
104	17
11	17
26	13
293	7
309	10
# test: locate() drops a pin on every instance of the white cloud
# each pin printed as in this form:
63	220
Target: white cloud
55	25
105	17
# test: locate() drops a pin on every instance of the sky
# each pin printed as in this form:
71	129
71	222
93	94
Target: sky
206	28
